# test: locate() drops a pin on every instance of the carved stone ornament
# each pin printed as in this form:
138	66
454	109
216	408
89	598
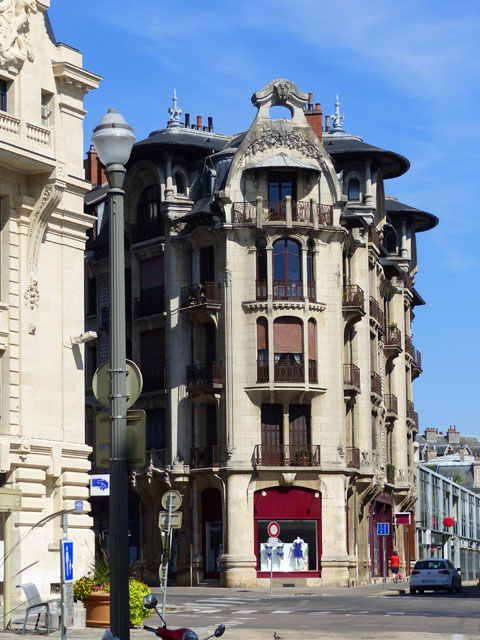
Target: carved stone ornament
341	452
31	295
282	92
270	138
15	45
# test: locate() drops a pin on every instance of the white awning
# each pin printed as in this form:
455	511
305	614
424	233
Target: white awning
284	161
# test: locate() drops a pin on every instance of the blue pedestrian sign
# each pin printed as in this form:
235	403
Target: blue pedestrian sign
67	561
383	528
100	485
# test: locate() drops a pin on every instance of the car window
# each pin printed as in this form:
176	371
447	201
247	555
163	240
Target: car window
450	565
429	564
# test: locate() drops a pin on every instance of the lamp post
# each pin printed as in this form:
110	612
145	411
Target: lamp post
113	139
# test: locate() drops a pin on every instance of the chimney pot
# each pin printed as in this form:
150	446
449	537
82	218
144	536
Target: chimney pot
318	107
187	121
199	123
210	123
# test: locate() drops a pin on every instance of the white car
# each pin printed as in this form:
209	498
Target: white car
438	573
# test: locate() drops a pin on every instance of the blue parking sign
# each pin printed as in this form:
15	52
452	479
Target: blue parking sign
383	528
67	560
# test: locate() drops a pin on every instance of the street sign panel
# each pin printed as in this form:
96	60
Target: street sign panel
136	439
383	528
273	542
101	383
176	499
68	604
403	517
10	499
67	561
175	520
100	485
78	506
273	529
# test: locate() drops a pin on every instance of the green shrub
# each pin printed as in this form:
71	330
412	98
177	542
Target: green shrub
136	592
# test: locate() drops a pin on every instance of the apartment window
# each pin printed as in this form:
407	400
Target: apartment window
281	185
155	419
354	189
207	264
148	214
180	183
3	95
46	108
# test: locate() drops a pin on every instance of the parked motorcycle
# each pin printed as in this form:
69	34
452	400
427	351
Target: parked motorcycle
150	602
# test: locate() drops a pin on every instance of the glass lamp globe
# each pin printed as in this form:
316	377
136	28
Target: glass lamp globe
113	139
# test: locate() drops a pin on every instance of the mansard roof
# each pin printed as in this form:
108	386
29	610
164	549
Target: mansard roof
422	220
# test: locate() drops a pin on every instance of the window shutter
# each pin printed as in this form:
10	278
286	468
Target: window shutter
312	347
288	335
262	334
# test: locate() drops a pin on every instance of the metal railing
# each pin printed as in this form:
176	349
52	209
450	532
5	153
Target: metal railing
287	290
205	457
375	383
262	371
417	360
202	293
410	411
312	371
377	312
391	403
153	379
287	455
204	374
393	338
352	457
150	302
409	349
289	371
147	230
353	296
244	212
261	289
351	375
276	211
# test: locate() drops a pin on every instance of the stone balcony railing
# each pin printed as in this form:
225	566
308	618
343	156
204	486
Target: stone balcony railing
16	127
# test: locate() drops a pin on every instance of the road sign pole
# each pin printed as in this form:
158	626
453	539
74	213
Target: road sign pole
62	590
166	553
271	569
384	562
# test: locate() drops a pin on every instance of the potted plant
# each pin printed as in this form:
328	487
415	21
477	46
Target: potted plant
93	589
391	326
301	457
390	473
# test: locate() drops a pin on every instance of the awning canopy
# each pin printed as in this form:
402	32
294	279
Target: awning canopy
284	161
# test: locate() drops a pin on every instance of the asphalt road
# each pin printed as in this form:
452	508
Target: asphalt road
361	612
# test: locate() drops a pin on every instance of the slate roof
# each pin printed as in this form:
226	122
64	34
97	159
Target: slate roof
347	148
422	220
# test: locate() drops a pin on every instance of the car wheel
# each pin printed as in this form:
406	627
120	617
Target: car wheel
459	588
413	591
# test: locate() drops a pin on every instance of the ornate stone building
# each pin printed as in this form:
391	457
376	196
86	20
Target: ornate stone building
271	299
43	233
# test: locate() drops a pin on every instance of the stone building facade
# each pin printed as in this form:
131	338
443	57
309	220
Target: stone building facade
271	297
43	233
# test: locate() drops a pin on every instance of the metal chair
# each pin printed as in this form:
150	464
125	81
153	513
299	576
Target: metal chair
51	608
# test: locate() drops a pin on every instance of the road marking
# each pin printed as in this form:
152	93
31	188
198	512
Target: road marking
395	613
246	611
202	610
318	613
280	611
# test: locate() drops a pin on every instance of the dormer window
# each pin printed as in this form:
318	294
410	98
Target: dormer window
354	189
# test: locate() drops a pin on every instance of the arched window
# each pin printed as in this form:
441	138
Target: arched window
149	220
261	269
180	183
390	239
262	350
310	271
354	189
287	270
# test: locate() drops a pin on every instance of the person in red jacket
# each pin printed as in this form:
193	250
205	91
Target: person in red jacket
395	564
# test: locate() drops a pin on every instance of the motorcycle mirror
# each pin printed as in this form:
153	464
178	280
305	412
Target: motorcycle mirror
219	631
150	601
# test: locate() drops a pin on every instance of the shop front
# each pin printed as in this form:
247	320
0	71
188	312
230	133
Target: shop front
381	511
298	513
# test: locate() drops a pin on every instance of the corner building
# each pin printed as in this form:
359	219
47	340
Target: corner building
272	299
43	234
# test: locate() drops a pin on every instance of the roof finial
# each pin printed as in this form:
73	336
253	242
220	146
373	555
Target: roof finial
337	119
174	112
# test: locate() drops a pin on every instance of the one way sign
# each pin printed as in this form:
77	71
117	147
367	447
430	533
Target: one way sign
100	485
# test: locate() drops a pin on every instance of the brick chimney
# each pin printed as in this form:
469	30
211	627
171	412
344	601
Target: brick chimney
101	177
430	434
90	165
431	453
314	117
453	435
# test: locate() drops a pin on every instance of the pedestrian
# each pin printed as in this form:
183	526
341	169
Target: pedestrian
395	565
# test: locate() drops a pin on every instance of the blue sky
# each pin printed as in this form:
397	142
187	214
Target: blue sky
407	74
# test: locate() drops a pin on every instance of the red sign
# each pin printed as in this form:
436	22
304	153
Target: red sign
273	529
402	517
449	522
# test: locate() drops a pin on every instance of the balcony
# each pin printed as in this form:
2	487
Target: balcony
376	313
408	282
416	364
205	375
287	455
375	383
206	293
351	379
312	371
278	211
391	406
150	302
142	231
287	371
287	290
352	457
205	457
393	343
261	289
374	236
409	348
353	303
412	415
153	380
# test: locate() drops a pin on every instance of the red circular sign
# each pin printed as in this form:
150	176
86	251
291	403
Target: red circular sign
449	522
273	529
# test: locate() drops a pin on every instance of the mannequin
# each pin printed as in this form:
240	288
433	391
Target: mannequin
297	551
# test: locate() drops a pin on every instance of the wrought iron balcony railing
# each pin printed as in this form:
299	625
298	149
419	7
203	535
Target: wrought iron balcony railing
287	290
289	371
376	312
142	231
204	374
391	403
202	293
351	375
205	457
393	338
261	287
375	383
276	211
353	296
150	302
287	455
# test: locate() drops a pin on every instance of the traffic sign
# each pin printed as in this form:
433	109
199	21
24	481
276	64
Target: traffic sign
136	439
175	520
273	542
383	528
100	485
67	561
176	499
78	506
273	529
101	383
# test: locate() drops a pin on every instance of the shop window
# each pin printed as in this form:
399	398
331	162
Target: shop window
212	531
354	189
298	512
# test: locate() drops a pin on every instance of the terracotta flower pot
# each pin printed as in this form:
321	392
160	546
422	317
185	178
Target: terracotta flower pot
98	609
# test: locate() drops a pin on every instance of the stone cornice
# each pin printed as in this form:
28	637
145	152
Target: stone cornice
75	77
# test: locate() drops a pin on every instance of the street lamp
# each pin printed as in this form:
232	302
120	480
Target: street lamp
113	139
